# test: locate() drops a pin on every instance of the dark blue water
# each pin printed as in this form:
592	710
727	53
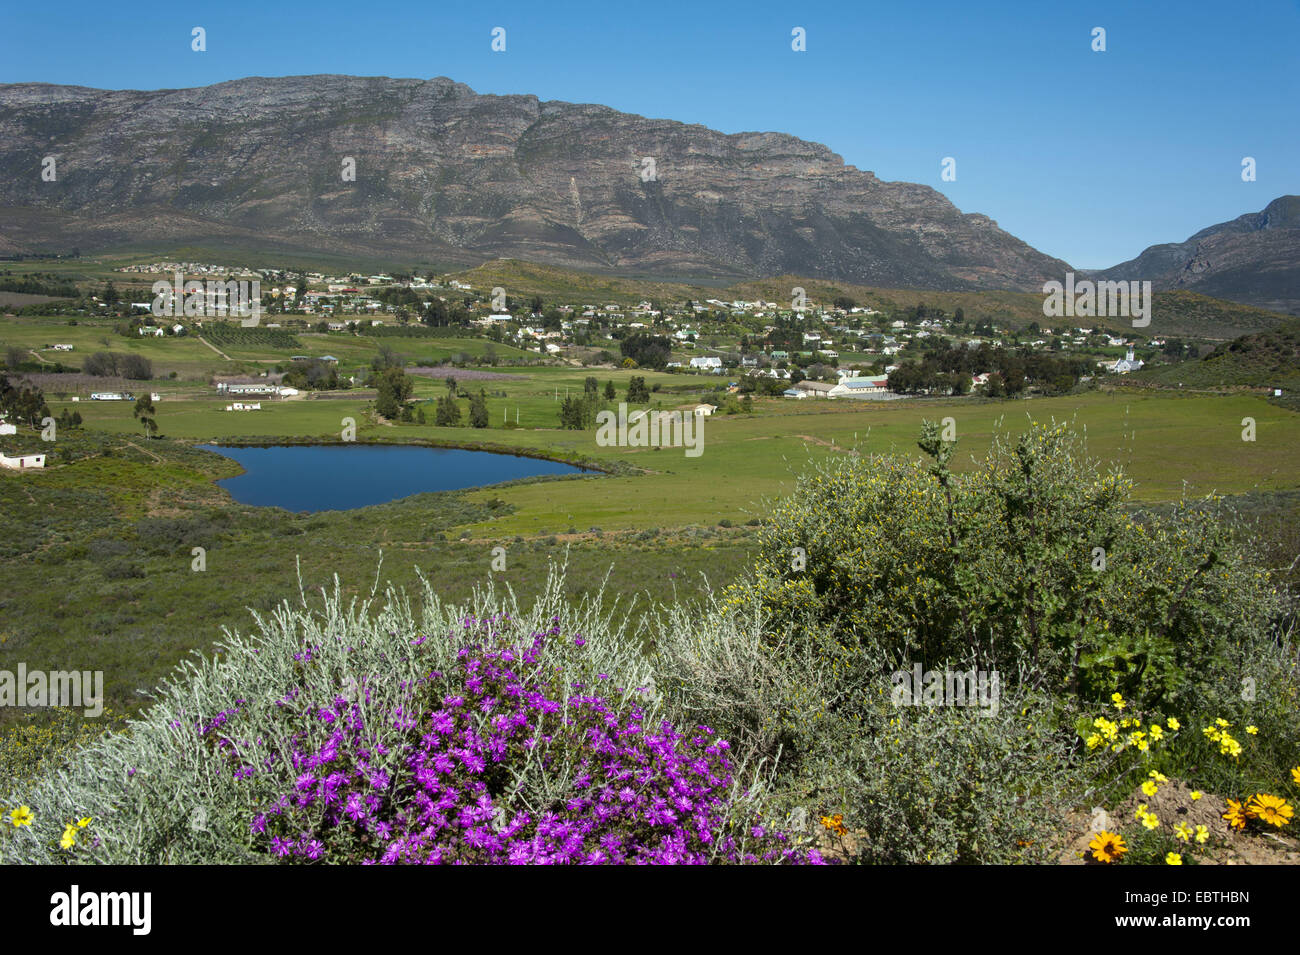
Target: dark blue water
342	477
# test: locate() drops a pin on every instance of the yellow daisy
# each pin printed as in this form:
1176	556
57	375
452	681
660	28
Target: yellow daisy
1274	810
1107	847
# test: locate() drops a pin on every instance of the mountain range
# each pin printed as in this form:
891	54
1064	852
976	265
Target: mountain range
1254	259
428	172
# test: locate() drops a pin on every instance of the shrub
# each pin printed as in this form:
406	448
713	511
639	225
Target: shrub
1032	558
363	700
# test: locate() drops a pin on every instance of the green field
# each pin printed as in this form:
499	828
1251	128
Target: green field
95	567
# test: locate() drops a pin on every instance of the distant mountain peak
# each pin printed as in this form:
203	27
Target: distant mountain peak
1253	259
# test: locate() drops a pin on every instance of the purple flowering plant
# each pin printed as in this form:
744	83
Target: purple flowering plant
500	758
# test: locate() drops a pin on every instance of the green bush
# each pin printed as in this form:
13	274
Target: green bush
1031	560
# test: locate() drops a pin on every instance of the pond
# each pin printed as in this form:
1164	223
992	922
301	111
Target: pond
341	477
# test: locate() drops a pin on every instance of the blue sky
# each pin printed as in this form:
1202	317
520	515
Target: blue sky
1087	156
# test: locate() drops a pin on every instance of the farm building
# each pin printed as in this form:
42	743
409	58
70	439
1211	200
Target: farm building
859	387
814	389
24	462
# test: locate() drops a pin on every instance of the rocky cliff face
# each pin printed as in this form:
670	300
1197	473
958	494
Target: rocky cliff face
1253	259
444	175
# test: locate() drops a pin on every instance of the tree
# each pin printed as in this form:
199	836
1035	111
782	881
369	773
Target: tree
394	387
386	358
436	315
447	414
23	403
610	393
637	392
14	357
101	364
589	386
451	386
136	367
578	413
651	351
478	410
145	412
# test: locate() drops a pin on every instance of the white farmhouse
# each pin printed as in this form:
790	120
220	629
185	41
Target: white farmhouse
23	462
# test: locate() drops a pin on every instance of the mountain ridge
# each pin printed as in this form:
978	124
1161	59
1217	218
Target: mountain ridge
462	177
1253	259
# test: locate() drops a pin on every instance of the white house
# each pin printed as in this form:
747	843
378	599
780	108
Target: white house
859	387
704	410
23	462
707	363
7	428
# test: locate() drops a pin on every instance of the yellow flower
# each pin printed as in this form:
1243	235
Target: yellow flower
1149	788
1196	794
22	816
1158	776
1274	810
69	837
1236	815
1222	722
1173	858
1107	847
1156	731
83	822
1183	831
1202	835
1117	700
1150	821
835	824
1094	741
1295	775
1252	730
1173	724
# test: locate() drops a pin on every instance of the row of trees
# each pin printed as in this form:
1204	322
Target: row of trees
113	365
578	412
395	387
945	369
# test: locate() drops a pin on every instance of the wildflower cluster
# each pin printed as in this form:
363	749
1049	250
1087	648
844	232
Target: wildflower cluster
1218	733
625	791
1129	732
